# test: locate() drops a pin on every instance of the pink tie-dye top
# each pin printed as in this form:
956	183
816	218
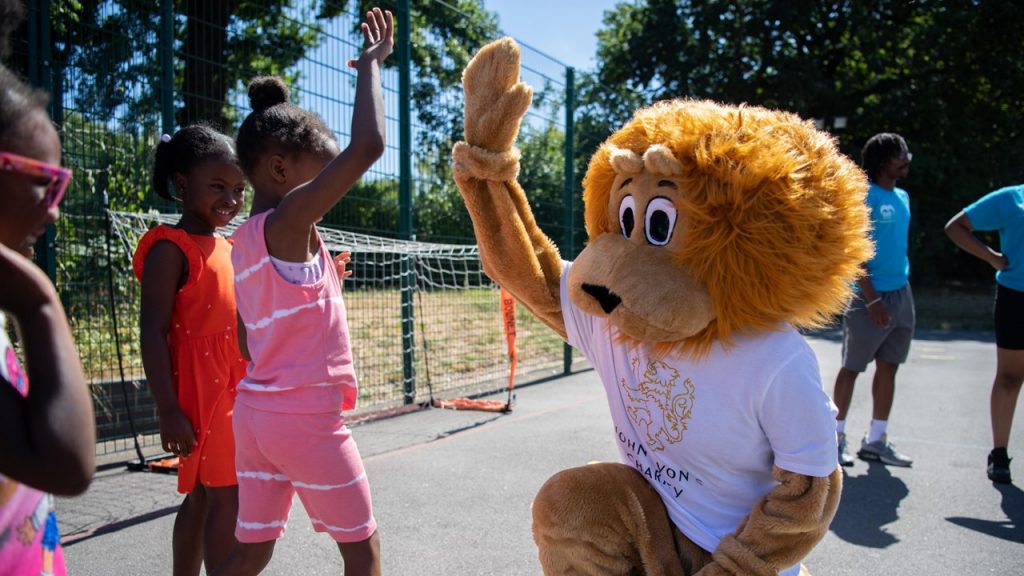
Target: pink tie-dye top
297	334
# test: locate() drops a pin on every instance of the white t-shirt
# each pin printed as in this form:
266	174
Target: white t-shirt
706	433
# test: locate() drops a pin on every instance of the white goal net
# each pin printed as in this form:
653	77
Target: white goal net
424	319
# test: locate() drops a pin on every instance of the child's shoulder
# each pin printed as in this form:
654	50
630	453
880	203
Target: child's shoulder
249	236
164	233
253	222
160	232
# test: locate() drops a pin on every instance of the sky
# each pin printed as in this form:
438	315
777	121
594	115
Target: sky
564	29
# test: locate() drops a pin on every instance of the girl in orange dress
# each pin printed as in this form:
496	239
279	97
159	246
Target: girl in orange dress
189	337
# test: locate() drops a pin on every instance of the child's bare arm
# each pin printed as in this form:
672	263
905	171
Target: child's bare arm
302	208
243	339
161	278
47	440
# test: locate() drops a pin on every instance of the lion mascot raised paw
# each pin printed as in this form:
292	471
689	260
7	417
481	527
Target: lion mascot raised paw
715	232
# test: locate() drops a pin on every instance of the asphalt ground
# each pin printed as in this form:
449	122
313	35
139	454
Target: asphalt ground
452	489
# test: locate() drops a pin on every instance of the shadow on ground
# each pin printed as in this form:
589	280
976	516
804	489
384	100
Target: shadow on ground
869	503
71	539
1010	528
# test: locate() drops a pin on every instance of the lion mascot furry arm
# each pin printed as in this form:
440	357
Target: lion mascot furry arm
714	232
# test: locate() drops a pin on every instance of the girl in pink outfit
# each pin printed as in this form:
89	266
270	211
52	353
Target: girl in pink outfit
47	431
292	318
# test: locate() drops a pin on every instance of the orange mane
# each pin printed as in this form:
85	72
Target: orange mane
774	220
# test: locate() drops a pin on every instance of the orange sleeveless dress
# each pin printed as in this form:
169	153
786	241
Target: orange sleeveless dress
203	341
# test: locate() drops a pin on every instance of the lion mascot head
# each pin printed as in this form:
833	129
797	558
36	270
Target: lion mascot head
705	220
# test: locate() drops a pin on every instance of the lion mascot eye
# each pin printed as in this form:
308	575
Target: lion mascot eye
627	216
660	221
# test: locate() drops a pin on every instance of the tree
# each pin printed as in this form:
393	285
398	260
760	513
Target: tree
220	45
370	207
109	51
935	72
443	39
109	65
115	45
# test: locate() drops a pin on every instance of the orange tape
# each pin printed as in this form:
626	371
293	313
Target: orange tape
469	404
508	316
164	465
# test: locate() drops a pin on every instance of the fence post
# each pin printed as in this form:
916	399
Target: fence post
569	191
405	230
40	70
167	66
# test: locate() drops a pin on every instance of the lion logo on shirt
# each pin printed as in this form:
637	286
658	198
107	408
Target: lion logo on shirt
659	405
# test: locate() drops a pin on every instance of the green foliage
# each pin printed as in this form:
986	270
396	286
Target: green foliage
542	167
443	38
935	72
440	213
115	46
105	160
370	207
112	46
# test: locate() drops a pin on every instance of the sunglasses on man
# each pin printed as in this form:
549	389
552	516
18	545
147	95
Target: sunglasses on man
57	177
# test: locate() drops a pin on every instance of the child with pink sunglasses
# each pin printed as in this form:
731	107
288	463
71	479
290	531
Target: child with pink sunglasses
47	433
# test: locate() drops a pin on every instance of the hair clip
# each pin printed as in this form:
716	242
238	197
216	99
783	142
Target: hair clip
165	138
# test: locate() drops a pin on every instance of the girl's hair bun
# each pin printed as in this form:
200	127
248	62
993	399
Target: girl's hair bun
266	91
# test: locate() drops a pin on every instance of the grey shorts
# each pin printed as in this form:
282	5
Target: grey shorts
864	341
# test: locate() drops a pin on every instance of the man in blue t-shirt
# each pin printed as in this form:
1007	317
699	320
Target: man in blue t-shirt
1002	210
879	324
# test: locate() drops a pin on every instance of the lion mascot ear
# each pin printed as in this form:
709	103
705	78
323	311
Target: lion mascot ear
715	232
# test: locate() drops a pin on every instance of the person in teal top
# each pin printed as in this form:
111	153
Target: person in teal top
879	324
1003	211
889	269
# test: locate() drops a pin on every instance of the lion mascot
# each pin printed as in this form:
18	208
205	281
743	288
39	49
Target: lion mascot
715	232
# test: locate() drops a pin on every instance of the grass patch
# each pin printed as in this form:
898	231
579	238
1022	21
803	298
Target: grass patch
459	343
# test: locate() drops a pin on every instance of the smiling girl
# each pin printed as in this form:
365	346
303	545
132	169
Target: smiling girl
189	336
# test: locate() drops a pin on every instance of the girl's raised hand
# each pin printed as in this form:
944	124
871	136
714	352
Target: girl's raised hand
379	32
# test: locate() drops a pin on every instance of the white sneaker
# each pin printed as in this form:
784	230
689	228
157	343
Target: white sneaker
882	451
844	457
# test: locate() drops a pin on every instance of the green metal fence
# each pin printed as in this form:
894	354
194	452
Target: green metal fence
424	322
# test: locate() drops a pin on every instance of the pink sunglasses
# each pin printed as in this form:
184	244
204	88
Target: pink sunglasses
58	177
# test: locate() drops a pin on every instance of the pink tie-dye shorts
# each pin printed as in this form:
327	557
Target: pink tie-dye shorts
278	455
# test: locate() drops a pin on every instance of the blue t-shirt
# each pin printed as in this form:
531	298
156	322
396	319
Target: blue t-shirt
890	227
1003	210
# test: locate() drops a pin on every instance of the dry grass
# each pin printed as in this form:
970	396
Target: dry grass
458	338
459	341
